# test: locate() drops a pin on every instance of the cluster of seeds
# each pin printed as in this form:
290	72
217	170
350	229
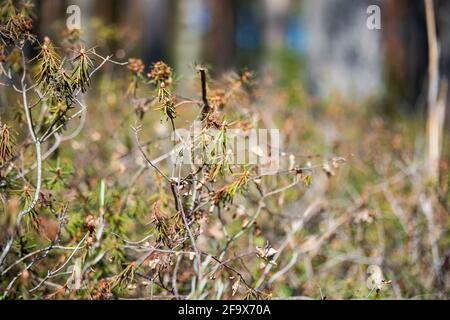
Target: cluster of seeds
160	73
136	65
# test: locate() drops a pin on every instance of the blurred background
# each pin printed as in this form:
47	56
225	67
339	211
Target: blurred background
325	44
329	83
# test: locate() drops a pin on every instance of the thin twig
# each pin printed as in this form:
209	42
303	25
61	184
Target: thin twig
206	107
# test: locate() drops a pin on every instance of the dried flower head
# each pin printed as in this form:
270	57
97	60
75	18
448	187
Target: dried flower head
102	291
136	65
160	73
15	25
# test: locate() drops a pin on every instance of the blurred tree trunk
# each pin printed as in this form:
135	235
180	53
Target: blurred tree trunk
109	11
220	42
405	49
155	20
188	34
437	93
148	26
49	12
443	30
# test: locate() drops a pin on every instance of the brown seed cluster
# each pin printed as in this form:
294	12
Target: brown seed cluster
102	291
160	73
136	65
23	23
15	25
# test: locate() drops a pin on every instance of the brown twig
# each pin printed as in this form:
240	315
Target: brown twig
206	107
